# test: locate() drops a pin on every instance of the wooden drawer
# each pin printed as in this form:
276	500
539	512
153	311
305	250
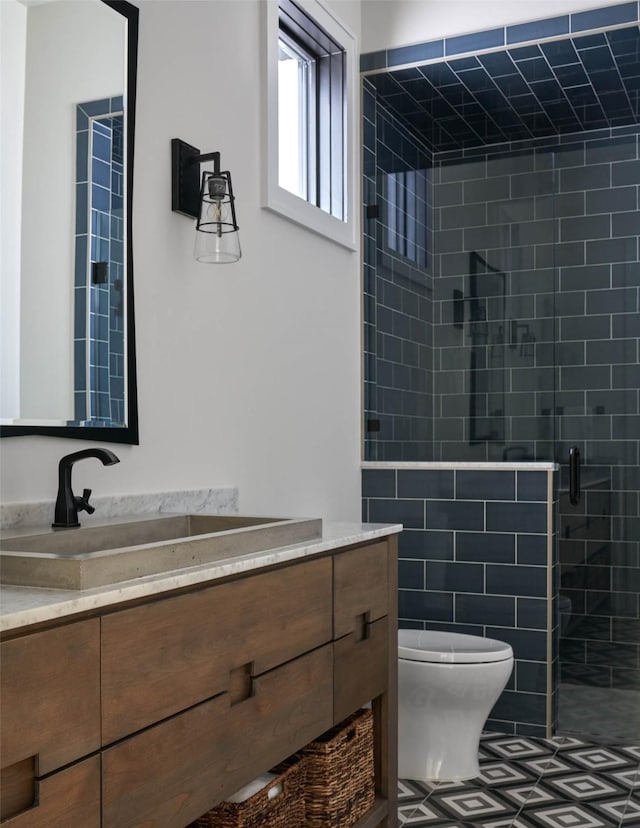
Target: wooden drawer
360	590
50	696
360	668
164	657
172	773
70	797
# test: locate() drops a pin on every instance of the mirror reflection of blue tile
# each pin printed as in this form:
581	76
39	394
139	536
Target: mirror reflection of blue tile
99	264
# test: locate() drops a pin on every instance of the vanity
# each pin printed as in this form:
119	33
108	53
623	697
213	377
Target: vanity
179	688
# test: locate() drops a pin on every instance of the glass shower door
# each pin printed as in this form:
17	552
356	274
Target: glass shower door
598	416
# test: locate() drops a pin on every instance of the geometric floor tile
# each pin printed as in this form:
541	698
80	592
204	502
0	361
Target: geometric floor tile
597	758
516	747
500	773
564	742
530	782
571	815
420	814
620	810
408	790
434	785
529	795
473	804
583	786
627	778
547	766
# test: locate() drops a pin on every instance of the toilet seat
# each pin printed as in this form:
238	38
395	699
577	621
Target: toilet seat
450	648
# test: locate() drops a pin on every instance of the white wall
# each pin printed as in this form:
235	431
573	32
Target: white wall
13	33
249	374
390	23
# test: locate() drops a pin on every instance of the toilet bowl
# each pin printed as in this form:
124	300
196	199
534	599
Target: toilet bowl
447	685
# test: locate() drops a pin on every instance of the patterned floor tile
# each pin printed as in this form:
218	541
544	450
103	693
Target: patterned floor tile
411	791
626	778
547	766
516	747
474	804
565	742
621	811
502	773
526	782
433	785
415	814
568	815
529	795
598	758
584	786
424	814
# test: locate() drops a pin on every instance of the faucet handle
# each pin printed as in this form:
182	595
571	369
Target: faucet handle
83	502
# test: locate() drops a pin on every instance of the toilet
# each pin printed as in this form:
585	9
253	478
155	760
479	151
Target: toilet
447	685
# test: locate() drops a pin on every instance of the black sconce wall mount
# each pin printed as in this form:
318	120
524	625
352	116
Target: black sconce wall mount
209	200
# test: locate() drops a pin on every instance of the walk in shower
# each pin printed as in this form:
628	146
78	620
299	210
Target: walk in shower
501	278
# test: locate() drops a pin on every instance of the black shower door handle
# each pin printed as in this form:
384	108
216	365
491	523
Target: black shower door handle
574	475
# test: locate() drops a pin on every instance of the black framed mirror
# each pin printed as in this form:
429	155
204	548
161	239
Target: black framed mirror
69	368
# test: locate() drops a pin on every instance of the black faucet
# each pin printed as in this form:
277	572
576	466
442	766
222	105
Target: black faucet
67	504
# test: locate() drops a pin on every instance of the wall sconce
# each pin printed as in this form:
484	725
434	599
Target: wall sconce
210	201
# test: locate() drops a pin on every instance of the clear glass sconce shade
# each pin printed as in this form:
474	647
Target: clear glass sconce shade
211	248
217	236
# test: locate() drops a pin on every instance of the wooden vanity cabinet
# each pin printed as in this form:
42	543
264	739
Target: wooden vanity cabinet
163	657
173	772
365	631
49	718
169	706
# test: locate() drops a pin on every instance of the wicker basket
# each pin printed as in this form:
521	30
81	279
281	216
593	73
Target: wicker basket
340	775
286	810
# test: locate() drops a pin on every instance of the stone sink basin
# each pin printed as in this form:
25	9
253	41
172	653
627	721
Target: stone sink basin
129	548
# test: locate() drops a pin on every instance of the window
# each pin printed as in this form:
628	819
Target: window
309	165
405	205
295	104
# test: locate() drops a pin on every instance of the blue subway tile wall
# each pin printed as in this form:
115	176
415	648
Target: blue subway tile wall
99	264
398	287
456	573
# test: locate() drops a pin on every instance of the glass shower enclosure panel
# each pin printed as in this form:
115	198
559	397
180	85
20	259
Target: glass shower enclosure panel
494	373
598	422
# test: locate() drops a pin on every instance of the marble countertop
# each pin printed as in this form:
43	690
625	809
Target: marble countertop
24	606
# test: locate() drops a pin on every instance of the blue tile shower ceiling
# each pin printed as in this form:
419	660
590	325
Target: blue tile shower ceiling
479	563
99	264
583	82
